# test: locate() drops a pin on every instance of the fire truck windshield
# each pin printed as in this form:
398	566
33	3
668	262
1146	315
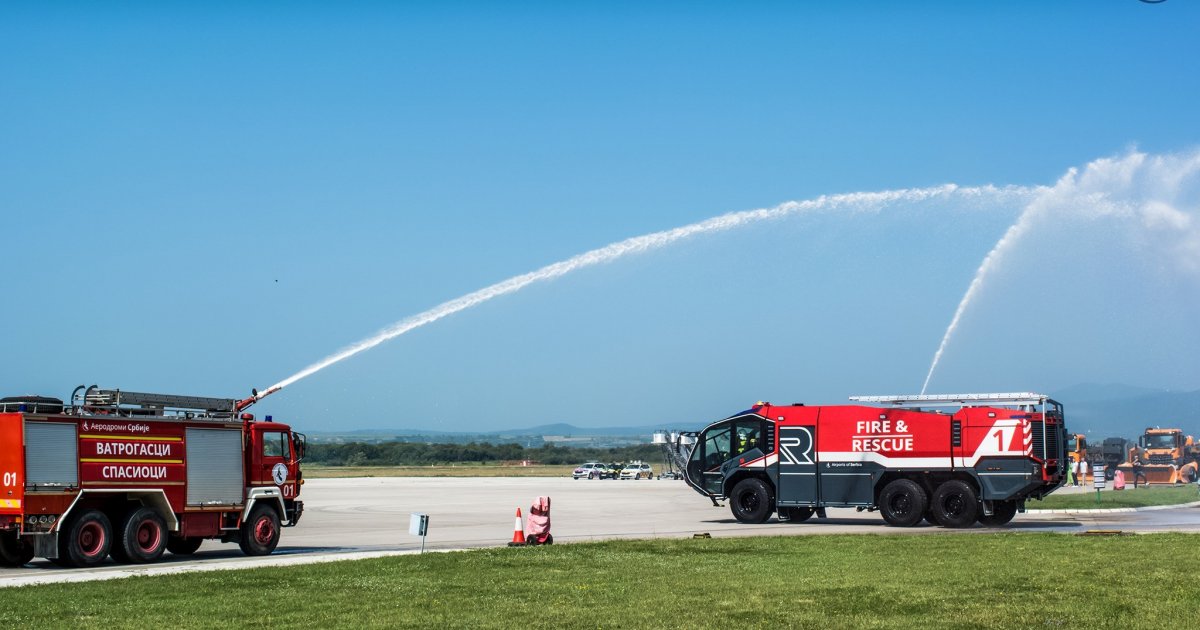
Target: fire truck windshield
1159	440
704	466
716	447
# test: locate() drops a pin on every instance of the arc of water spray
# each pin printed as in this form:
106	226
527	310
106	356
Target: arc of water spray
640	244
1137	186
1011	235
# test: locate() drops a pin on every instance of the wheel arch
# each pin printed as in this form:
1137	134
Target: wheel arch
738	476
269	496
112	502
928	480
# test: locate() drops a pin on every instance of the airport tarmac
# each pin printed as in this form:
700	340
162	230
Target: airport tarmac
369	517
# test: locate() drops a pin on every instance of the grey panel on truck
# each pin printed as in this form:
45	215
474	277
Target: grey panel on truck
51	454
214	472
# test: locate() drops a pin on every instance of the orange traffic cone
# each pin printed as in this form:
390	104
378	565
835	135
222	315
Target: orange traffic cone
518	532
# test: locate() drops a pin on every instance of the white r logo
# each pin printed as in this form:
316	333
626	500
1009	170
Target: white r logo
803	446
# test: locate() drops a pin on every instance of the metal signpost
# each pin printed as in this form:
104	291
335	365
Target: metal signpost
1098	480
418	525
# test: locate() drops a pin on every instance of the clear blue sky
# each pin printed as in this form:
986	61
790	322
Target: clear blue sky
204	198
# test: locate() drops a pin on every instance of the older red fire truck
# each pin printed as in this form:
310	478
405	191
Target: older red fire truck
129	475
905	458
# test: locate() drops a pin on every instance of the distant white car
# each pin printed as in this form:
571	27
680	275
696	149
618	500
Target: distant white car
637	471
591	470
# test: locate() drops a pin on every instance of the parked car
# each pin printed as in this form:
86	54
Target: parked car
637	471
591	470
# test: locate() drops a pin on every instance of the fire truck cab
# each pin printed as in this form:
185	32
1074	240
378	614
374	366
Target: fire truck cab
979	463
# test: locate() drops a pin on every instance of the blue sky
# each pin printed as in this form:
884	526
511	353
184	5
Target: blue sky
205	198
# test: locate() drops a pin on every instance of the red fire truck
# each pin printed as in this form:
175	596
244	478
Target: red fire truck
904	457
129	475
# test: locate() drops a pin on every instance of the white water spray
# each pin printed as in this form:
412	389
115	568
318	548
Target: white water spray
638	244
1157	192
1012	235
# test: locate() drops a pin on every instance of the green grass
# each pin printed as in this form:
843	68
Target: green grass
449	470
1142	497
1005	580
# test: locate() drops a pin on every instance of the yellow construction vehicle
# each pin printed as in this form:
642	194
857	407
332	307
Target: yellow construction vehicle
1167	457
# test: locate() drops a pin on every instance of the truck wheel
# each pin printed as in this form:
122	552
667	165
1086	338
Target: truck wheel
1002	513
143	536
14	552
183	546
751	501
86	540
798	514
955	504
903	503
260	532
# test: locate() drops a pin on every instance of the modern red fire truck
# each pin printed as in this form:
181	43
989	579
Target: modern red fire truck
129	475
904	457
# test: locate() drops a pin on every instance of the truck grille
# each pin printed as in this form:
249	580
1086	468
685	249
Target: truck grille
1162	459
1039	439
1052	442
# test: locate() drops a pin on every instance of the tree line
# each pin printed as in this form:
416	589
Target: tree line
421	454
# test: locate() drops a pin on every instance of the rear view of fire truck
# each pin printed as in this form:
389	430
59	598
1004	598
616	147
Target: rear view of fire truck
130	475
979	463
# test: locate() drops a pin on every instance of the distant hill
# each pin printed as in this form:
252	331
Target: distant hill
1098	410
572	430
559	433
1115	410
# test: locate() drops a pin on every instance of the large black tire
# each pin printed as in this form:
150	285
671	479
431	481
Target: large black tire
796	514
1002	513
260	532
141	537
183	546
86	540
902	503
750	501
14	552
955	504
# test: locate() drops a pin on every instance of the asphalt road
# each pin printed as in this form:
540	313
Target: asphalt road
368	517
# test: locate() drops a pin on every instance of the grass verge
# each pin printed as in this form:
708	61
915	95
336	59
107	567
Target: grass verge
457	470
842	581
1142	497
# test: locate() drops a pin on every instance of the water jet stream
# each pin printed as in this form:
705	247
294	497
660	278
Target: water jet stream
1012	235
655	240
1156	194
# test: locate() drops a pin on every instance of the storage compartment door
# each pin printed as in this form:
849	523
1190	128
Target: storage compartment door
51	454
12	464
214	466
798	465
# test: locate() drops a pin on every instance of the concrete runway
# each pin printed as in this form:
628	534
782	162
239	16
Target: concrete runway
368	517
